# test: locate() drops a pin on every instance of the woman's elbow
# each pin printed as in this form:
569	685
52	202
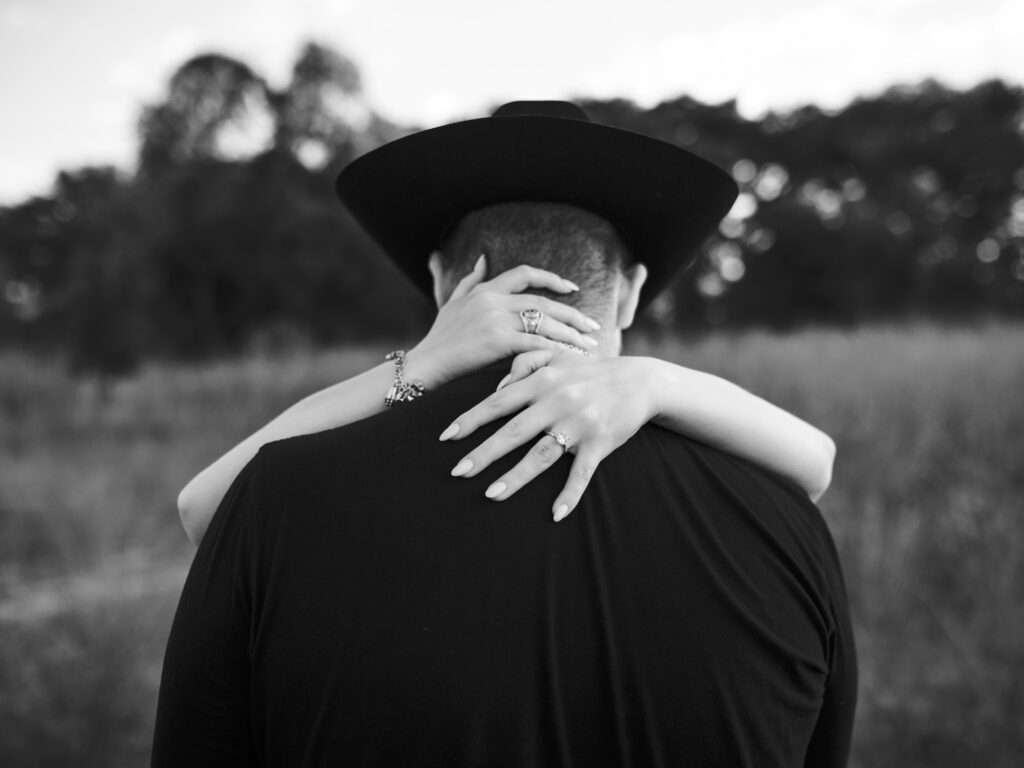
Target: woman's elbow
189	514
828	459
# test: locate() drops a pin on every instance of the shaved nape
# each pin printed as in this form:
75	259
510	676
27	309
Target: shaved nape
569	241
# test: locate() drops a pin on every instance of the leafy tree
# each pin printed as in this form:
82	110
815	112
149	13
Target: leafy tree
207	97
321	114
904	204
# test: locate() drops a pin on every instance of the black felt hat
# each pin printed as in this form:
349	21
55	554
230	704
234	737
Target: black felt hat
664	200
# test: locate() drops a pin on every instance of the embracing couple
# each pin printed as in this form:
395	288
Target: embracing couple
379	581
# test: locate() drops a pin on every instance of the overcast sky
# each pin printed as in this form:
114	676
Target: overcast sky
74	73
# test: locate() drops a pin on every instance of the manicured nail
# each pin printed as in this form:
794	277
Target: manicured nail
503	382
561	512
593	324
462	468
496	489
571	284
450	432
590	342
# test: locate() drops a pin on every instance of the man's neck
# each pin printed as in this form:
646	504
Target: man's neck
609	342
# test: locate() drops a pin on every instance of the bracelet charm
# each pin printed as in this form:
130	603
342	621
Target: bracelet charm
401	391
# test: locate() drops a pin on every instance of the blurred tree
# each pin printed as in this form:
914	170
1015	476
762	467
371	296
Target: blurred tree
240	245
257	245
77	281
101	303
216	107
322	113
903	204
909	200
32	266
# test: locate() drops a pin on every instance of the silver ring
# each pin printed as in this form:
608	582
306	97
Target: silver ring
532	319
562	439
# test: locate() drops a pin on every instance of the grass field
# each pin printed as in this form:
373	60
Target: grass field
926	508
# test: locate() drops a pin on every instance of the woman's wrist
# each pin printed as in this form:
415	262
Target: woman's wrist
422	364
654	379
668	383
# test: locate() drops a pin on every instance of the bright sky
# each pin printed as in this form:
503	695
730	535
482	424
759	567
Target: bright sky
74	73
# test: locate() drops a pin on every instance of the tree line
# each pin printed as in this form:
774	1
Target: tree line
907	204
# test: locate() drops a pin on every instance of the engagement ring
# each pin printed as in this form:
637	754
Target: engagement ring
561	438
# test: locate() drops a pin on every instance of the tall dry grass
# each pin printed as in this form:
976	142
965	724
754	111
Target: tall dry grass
925	507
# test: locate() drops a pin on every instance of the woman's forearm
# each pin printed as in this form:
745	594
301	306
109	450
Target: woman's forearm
334	406
477	325
727	417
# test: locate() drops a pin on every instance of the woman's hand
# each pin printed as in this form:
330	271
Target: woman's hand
596	403
480	324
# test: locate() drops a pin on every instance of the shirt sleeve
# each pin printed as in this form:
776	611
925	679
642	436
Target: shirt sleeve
830	743
203	711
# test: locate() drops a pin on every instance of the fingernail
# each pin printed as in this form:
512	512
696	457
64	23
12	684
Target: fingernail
561	512
571	284
480	261
590	342
503	382
450	432
593	324
495	490
462	468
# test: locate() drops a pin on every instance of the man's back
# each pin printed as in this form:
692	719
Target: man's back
352	603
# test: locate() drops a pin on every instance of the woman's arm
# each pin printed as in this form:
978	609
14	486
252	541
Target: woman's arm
599	403
478	325
726	416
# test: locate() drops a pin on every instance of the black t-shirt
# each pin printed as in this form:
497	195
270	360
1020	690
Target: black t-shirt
353	604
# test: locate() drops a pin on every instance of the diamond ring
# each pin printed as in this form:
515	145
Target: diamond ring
561	438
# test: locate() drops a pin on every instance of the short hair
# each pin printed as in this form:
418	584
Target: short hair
569	241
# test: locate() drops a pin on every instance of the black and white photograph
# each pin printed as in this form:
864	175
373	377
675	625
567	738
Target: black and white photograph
513	385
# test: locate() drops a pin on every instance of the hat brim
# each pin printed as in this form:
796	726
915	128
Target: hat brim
664	200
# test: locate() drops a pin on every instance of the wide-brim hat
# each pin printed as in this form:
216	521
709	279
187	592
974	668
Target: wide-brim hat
664	200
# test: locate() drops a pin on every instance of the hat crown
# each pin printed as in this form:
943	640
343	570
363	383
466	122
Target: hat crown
563	109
